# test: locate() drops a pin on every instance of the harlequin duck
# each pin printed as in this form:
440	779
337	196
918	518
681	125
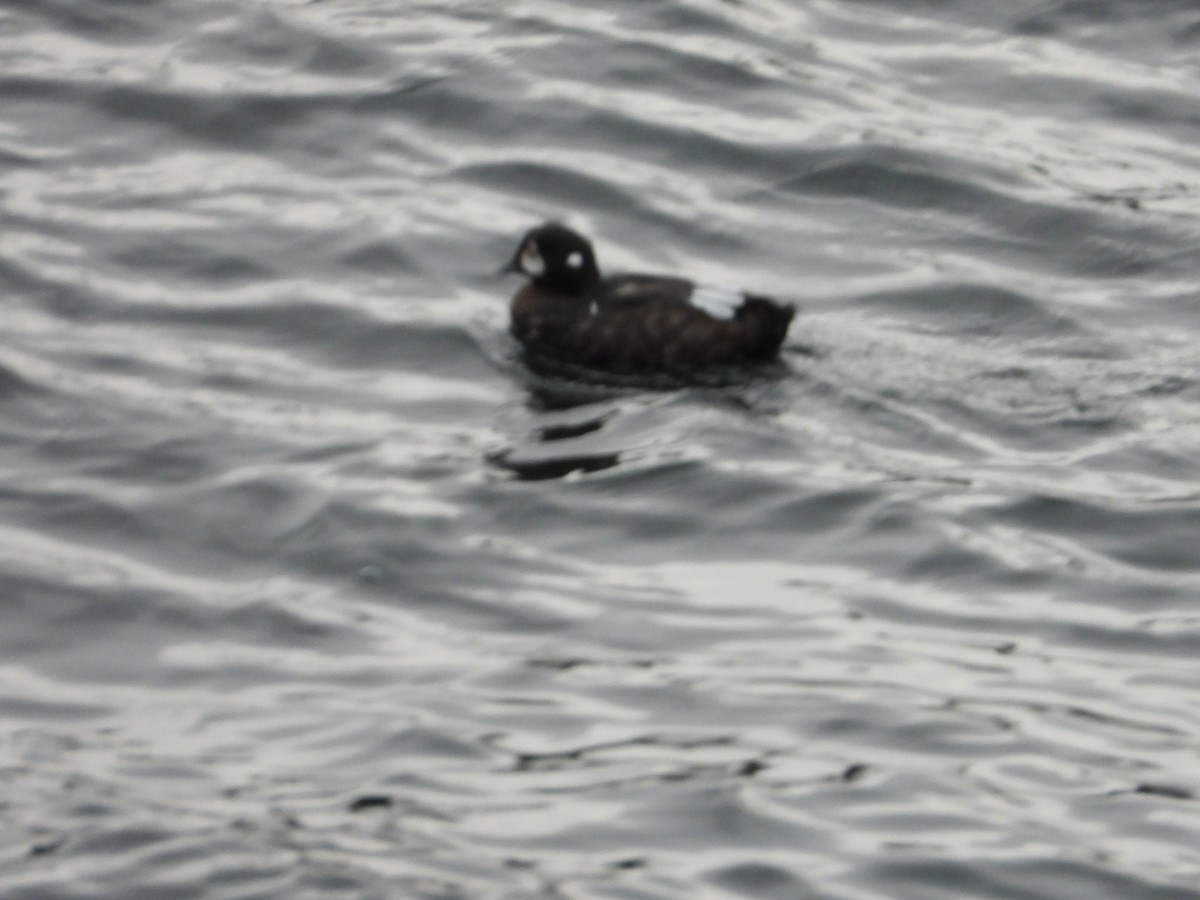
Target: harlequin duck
633	323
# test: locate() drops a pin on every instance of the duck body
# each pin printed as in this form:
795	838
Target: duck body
634	323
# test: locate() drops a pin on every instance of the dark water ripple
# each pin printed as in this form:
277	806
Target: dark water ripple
313	587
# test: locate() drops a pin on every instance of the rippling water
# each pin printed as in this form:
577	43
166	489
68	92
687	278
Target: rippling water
311	589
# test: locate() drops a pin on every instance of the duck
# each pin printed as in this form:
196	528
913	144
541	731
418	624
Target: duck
632	323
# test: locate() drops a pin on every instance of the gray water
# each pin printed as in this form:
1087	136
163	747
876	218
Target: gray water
310	589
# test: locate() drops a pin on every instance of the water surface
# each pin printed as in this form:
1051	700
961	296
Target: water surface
311	588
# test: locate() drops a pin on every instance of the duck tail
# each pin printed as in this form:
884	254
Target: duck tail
768	323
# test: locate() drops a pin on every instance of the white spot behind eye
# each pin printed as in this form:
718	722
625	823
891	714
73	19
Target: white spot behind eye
531	261
575	260
718	302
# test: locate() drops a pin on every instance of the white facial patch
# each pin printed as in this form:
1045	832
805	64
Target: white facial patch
719	302
531	261
575	260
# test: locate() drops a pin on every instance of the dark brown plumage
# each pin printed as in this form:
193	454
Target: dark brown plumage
633	323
